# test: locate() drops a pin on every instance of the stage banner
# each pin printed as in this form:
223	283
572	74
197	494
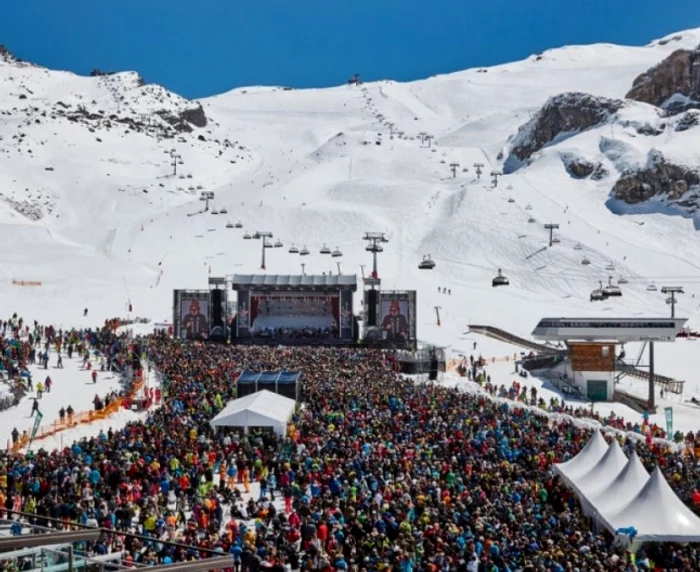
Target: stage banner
346	321
194	315
243	314
397	318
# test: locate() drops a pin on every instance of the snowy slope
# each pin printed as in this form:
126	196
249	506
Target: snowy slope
106	222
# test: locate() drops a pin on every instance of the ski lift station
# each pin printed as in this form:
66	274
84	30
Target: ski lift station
591	365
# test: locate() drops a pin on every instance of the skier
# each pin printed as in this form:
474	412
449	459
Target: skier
35	407
59	365
94	376
70	412
48	383
85	312
62	414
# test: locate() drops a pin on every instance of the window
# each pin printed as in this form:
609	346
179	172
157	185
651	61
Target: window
606	351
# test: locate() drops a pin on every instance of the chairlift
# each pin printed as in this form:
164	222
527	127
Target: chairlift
598	294
427	263
229	224
585	261
651	288
293	250
611	289
256	235
578	246
304	252
325	249
669	300
214	211
623	280
268	244
202	198
374	248
500	280
247	236
278	244
336	253
531	220
223	211
555	240
239	224
528	207
610	266
511	200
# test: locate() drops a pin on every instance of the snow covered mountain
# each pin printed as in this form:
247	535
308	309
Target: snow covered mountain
90	206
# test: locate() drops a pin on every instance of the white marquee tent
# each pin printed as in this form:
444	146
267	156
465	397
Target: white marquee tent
603	472
621	495
620	491
656	513
586	458
260	409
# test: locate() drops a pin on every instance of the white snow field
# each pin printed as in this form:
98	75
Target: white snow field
91	210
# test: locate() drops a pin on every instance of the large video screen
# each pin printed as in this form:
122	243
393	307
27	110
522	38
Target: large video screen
397	318
194	315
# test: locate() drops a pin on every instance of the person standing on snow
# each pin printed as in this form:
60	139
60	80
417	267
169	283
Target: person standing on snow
48	383
94	376
35	407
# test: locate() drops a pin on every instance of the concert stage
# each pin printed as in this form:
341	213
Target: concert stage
294	309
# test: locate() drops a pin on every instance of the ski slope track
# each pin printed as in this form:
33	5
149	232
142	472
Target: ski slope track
91	209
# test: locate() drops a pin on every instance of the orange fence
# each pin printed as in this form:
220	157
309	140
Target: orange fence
81	417
26	282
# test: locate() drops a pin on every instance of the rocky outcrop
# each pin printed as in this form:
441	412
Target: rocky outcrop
580	168
673	84
563	115
688	120
658	179
5	54
182	122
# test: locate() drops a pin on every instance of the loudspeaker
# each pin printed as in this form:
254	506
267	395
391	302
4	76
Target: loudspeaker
217	332
372	303
433	369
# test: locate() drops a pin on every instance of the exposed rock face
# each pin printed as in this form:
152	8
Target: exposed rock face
181	121
677	75
580	168
688	120
658	179
562	115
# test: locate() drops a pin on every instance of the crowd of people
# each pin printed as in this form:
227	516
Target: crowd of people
377	473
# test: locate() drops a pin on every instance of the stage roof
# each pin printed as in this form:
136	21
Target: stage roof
608	329
294	281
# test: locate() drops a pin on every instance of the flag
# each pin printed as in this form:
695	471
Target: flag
35	428
669	421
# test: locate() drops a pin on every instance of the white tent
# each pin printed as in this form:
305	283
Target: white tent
603	472
260	409
586	458
618	492
656	513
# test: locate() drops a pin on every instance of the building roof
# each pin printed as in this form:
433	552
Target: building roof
261	409
283	281
608	329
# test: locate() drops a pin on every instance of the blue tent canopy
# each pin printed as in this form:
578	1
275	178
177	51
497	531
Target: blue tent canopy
283	382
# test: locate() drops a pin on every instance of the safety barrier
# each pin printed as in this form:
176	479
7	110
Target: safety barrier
26	282
81	417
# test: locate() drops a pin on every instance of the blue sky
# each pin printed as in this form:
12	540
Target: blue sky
203	47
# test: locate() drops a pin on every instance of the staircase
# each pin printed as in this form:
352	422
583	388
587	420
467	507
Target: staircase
666	383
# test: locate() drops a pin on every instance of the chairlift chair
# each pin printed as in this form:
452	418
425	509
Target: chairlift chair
610	266
623	280
239	224
214	211
304	252
511	200
427	263
528	207
651	288
202	198
373	248
578	246
611	289
598	294
256	235
278	244
500	280
325	249
268	244
247	236
585	261
669	300
229	224
293	250
223	211
531	220
336	253
555	240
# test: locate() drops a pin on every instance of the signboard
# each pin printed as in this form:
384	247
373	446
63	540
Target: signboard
669	421
192	315
35	427
397	318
